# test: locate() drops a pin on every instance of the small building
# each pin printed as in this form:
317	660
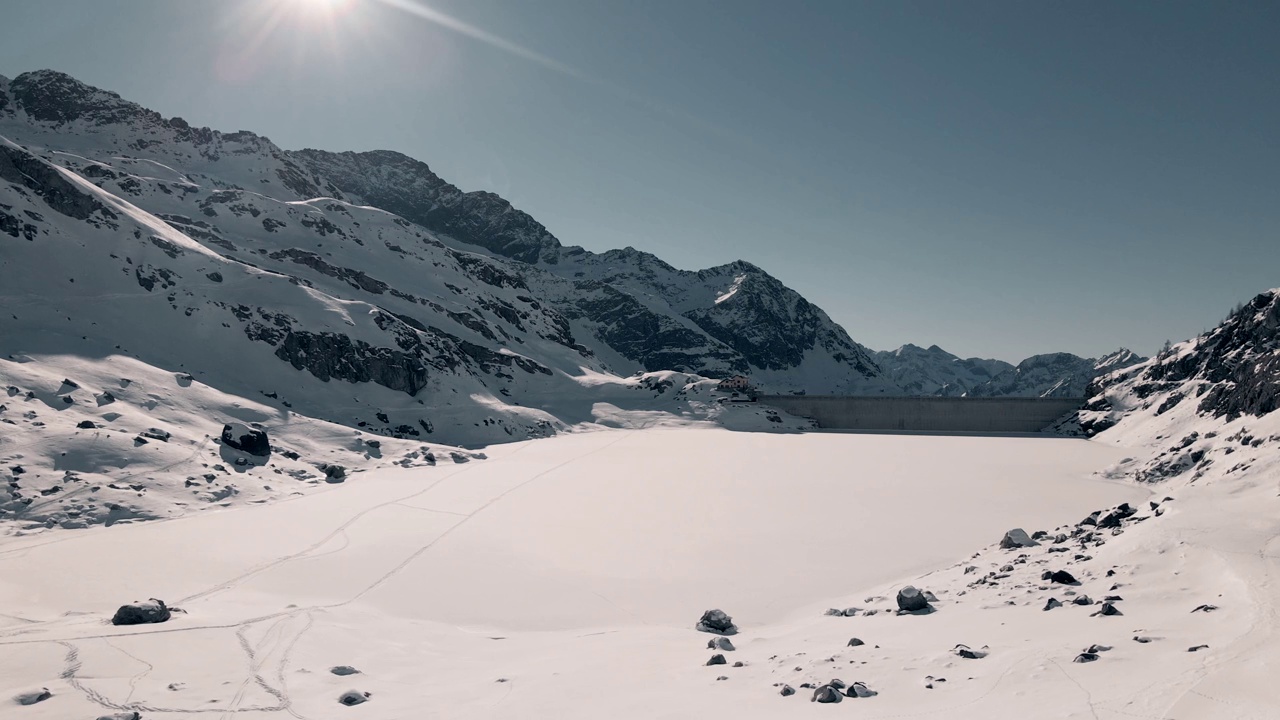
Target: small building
735	383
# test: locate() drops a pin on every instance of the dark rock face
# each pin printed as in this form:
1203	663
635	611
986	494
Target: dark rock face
246	439
717	621
22	168
911	599
656	341
330	355
404	186
141	613
1237	362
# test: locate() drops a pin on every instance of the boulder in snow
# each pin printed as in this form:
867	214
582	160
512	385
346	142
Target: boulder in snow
717	659
141	613
32	697
1017	538
826	694
241	437
717	621
343	670
353	697
910	599
720	643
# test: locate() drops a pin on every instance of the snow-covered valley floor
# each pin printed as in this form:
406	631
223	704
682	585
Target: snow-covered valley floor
562	578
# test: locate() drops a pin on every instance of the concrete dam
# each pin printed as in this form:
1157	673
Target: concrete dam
927	414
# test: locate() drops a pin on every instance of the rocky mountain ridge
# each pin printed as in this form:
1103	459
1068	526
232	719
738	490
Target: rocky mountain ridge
934	371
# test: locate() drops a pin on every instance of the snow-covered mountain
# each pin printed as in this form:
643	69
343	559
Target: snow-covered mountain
934	371
734	318
1229	373
179	278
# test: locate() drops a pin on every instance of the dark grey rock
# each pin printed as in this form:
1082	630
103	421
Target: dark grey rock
855	642
241	437
717	621
826	694
354	697
343	670
910	599
1017	538
720	643
130	715
1086	657
1197	648
1108	609
1052	603
787	691
141	613
717	659
1062	577
859	690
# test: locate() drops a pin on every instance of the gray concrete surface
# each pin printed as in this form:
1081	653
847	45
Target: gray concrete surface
927	414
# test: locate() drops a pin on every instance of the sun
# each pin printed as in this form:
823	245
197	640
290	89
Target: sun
324	7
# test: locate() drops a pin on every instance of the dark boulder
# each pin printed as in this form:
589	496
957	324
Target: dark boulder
239	436
717	659
1017	538
1086	657
86	425
910	599
1108	609
720	643
859	690
343	670
826	694
786	691
353	697
1052	603
334	473
1062	577
141	613
855	642
717	621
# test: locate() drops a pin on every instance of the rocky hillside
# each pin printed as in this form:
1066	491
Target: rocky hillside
1230	372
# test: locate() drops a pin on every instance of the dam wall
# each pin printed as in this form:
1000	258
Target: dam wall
927	414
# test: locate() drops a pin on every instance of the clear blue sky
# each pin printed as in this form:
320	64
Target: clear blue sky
997	178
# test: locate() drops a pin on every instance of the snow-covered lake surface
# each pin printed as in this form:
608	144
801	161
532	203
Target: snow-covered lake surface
572	568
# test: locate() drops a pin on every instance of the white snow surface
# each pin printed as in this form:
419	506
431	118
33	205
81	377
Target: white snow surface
571	568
